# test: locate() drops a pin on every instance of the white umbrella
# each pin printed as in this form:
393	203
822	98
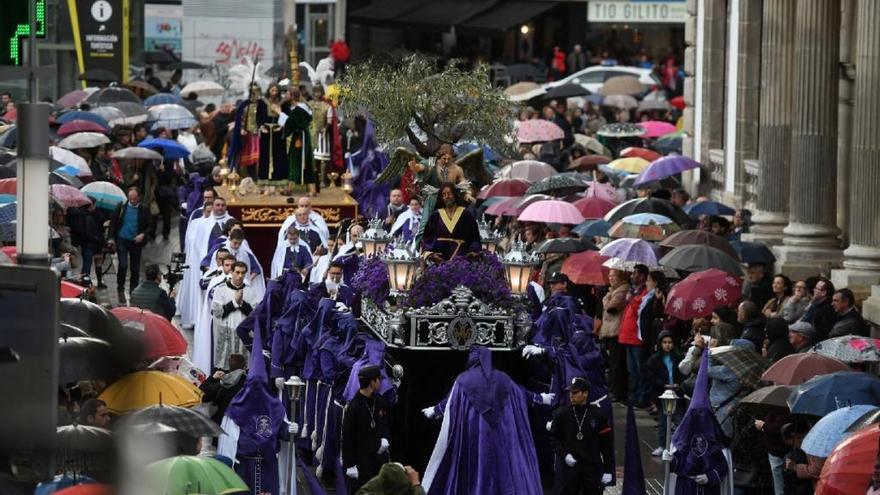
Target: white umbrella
171	116
83	140
203	88
68	157
134	152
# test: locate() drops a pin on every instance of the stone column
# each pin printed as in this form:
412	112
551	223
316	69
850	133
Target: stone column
862	262
811	243
774	146
713	54
748	92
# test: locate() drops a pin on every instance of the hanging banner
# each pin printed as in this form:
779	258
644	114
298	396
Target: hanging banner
100	32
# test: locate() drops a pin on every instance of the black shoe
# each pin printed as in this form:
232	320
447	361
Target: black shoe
121	295
102	285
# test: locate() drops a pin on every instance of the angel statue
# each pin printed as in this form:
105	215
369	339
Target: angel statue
424	178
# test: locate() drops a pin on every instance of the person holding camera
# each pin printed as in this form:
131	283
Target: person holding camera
128	233
148	294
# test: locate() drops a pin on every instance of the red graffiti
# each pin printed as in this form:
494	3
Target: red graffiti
236	51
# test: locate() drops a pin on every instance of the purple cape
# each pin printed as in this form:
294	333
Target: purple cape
553	327
633	474
366	165
374	355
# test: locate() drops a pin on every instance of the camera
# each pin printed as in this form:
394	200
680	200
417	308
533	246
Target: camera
175	273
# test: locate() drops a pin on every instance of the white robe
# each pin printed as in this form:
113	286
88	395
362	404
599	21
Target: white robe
226	341
319	269
245	255
202	335
315	220
189	299
402	219
280	253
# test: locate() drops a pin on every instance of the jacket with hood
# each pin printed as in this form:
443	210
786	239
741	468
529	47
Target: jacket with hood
777	335
221	392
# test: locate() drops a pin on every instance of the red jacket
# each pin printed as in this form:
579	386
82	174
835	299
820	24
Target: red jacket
629	326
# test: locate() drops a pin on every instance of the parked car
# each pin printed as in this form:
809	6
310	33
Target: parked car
593	77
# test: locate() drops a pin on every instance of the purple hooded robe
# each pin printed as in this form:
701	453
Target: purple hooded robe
366	165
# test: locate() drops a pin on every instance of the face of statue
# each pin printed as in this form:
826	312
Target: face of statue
448	197
273	92
445	154
255	93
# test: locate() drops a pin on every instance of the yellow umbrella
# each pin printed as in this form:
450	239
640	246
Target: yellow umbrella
633	165
149	388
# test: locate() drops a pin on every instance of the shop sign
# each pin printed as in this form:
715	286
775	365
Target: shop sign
634	12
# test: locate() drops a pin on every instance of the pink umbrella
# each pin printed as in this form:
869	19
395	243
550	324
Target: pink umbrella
505	187
530	170
68	196
602	190
506	208
75	126
551	211
656	128
593	207
538	131
73	98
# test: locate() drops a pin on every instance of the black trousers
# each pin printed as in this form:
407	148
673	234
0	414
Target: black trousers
166	206
617	368
582	479
129	254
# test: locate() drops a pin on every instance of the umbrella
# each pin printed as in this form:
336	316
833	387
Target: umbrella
83	438
87	358
144	86
625	102
8	212
504	187
639	226
849	467
9	186
189	421
136	152
831	430
87	489
850	349
798	368
61	482
75	126
868	419
591	144
565	245
678	102
656	128
171	116
98	75
621	85
101	324
586	268
644	153
203	88
162	99
593	207
530	170
105	194
522	88
68	196
171	150
551	211
112	94
772	396
592	228
160	336
57	177
632	165
631	251
465	147
588	162
83	140
557	185
568	90
708	208
192	474
649	105
134	112
80	115
649	205
148	388
70	158
701	293
504	208
697	237
746	364
183	64
666	167
72	99
699	257
753	253
70	289
112	115
825	393
538	131
670	143
602	190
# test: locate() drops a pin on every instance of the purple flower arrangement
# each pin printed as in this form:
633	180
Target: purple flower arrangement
371	280
484	277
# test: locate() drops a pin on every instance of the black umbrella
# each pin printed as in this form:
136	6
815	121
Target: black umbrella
99	323
68	331
189	421
566	91
83	438
772	396
183	64
8	172
98	75
7	155
113	94
87	358
158	57
649	205
59	178
565	245
129	108
557	185
699	257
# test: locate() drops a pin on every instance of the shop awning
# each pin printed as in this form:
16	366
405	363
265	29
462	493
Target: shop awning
506	15
383	11
446	12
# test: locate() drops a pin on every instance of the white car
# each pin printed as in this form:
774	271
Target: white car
593	77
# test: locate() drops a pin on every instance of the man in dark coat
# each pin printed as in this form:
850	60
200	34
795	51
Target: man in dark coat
819	312
222	386
365	430
759	288
849	320
129	226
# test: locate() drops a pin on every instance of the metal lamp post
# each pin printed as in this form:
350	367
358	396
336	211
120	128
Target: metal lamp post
375	239
488	238
518	266
402	264
295	385
669	399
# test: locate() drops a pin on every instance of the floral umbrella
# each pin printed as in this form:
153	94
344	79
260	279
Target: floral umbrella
538	131
647	226
850	349
631	250
68	196
700	293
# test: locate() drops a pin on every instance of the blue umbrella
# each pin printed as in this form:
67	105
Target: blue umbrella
80	115
753	253
825	393
7	231
7	212
592	228
831	430
170	149
708	208
162	99
666	167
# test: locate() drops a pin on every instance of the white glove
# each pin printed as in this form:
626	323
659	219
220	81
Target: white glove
352	472
383	446
606	479
549	425
532	350
547	399
666	455
267	354
569	460
293	429
342	308
429	412
701	479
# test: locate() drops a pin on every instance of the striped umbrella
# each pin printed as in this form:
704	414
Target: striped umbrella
68	196
105	194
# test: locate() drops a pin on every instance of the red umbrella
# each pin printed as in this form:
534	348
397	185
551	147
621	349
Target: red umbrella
86	489
75	126
798	368
8	186
848	470
588	162
678	102
586	268
593	207
505	187
645	153
701	292
160	336
73	98
70	289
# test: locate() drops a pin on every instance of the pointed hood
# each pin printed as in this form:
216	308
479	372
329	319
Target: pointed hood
373	355
701	388
485	387
633	474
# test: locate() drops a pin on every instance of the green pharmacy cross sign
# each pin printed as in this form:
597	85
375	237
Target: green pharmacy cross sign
14	27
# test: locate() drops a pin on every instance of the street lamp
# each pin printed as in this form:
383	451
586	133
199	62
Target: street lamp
375	239
488	238
402	264
669	400
295	386
518	266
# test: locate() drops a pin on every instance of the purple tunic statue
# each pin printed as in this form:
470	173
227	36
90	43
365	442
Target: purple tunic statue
450	236
366	165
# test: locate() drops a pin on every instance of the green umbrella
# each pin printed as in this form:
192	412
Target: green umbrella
186	474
